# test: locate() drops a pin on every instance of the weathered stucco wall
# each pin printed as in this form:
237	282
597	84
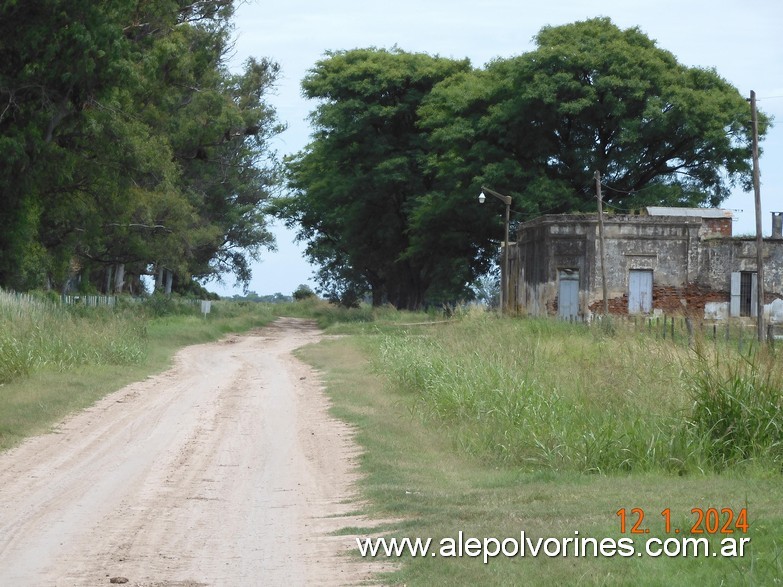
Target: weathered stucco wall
691	262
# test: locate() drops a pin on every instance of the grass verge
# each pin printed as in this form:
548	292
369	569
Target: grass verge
424	463
48	389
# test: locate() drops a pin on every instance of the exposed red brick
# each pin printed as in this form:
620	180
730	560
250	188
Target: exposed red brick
670	300
717	226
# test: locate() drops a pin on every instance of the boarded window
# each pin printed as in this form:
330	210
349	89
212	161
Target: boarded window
640	284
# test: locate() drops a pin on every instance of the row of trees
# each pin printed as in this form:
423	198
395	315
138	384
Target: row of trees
384	195
127	145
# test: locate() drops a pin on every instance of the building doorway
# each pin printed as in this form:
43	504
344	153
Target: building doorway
744	293
640	286
568	294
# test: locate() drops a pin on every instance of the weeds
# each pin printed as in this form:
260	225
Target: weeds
37	333
738	408
547	409
540	394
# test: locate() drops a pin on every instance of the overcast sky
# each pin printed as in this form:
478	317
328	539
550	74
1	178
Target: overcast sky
742	40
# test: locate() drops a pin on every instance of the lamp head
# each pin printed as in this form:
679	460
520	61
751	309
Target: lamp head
482	197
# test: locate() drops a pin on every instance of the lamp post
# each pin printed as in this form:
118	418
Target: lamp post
504	303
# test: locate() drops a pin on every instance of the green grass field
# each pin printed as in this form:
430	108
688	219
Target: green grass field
491	427
55	360
483	426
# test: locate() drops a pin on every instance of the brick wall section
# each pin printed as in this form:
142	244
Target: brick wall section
616	305
717	226
669	300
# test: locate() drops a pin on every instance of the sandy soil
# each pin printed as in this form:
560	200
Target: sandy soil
224	470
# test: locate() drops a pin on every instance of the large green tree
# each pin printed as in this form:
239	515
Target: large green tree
356	186
127	141
218	126
384	195
58	59
592	97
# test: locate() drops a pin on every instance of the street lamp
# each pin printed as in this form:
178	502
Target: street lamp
504	303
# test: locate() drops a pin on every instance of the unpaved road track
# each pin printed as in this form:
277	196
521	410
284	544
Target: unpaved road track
224	470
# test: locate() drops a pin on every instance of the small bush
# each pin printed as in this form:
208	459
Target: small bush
158	305
303	292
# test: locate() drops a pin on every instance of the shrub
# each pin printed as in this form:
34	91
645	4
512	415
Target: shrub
303	292
158	305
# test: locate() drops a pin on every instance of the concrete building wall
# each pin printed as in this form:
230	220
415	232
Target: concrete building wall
691	260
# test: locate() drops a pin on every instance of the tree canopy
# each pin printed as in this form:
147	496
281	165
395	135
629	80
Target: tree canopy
128	143
592	97
384	194
356	187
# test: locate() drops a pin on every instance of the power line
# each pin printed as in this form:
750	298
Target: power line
632	192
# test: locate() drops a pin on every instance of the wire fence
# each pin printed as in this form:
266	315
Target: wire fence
682	329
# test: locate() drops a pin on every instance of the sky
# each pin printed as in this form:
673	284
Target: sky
742	40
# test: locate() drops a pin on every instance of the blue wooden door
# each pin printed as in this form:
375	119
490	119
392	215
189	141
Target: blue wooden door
568	294
640	283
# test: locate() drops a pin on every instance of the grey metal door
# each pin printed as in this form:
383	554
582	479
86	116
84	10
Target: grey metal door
640	283
568	294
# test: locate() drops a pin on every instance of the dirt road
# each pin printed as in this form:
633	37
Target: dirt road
224	470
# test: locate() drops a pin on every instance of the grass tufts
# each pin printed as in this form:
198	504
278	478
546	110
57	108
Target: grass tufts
567	397
738	408
37	333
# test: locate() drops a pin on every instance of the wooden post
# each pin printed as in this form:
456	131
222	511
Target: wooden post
759	238
507	285
601	240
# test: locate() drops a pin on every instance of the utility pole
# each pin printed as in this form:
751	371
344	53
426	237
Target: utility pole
759	238
507	293
601	240
505	301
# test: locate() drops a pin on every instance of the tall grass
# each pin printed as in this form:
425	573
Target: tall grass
544	394
339	319
738	407
56	359
37	333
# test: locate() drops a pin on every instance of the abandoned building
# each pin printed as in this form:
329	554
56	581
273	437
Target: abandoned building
670	260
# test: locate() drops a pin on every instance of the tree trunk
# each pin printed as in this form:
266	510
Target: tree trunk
119	278
377	295
107	284
158	279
